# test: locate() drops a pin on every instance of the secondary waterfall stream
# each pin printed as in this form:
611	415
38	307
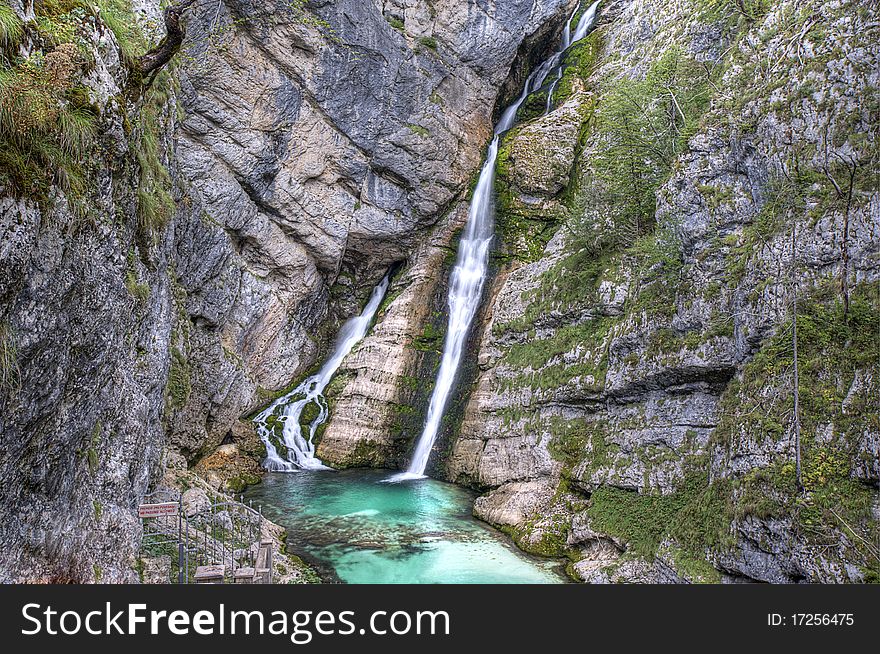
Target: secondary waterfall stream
288	408
472	263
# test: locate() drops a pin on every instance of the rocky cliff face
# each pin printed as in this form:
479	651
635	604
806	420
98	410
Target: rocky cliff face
86	307
634	406
179	255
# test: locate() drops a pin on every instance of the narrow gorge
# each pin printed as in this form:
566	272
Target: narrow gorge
597	285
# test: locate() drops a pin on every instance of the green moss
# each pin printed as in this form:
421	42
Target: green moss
93	444
155	203
580	441
716	196
431	338
179	383
419	130
239	482
276	434
309	412
139	291
550	544
396	23
532	107
428	42
694	568
696	515
9	371
99	510
307	574
543	366
365	454
570	282
579	63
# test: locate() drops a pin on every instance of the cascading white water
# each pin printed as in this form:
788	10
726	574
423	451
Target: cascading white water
584	24
566	42
471	266
288	408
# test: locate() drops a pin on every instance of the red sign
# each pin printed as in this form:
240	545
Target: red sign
157	510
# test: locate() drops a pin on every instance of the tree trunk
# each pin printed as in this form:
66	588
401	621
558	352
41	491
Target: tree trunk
153	61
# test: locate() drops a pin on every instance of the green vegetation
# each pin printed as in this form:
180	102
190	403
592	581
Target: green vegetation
747	10
48	125
696	516
419	130
429	42
9	372
637	132
532	107
155	204
641	126
276	434
47	128
11	29
525	230
576	441
93	445
139	291
834	511
365	454
579	64
239	482
832	347
179	384
431	338
118	16
544	366
657	266
396	23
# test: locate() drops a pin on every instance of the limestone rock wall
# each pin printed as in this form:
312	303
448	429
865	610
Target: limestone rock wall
625	366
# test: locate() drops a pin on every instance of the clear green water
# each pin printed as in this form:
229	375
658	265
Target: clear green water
421	531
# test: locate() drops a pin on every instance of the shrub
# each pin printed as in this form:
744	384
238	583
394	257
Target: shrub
45	136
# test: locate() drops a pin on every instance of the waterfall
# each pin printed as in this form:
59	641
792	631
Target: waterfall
288	408
471	266
566	42
583	26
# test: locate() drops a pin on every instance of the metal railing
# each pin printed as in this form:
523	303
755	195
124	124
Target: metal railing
226	534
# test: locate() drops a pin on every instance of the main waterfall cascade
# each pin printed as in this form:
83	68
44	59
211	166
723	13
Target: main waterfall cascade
471	266
300	448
